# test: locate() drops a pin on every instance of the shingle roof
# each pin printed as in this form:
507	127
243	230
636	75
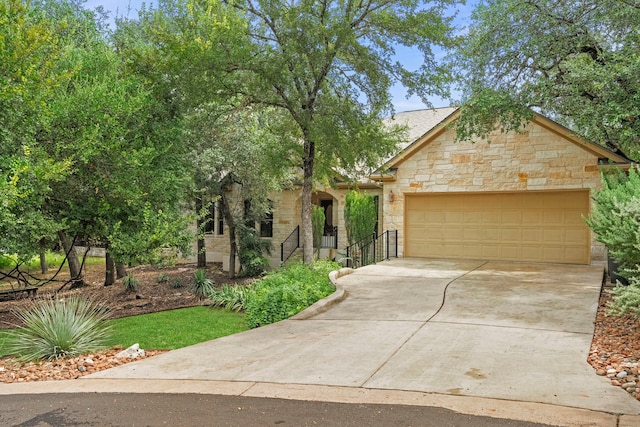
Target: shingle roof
419	122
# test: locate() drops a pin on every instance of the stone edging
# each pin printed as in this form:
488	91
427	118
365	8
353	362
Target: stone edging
325	303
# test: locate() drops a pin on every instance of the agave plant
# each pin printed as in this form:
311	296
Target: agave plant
202	286
59	328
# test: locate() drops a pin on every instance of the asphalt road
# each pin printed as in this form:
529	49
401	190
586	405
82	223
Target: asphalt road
128	409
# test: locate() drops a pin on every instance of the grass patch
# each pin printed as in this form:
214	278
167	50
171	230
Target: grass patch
54	259
168	330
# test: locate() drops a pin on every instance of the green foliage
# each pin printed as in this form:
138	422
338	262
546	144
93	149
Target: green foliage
360	216
318	219
177	283
7	261
86	145
326	70
54	260
251	250
284	293
202	286
163	278
231	297
575	61
626	299
59	328
615	218
131	284
30	75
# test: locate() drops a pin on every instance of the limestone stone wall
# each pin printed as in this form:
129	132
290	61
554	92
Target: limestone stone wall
286	216
537	159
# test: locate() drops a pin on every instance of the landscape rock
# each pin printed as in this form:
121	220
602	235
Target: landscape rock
629	385
132	352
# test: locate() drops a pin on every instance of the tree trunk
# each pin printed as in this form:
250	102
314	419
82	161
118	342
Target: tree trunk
233	249
307	189
110	269
44	267
202	253
231	226
72	260
121	270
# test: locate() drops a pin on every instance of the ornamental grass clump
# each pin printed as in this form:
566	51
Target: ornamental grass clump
230	297
59	328
131	284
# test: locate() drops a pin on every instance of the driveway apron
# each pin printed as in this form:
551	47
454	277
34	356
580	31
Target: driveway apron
488	329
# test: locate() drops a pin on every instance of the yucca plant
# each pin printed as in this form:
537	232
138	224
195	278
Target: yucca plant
59	328
202	286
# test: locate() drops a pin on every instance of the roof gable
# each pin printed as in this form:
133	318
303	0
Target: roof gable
425	125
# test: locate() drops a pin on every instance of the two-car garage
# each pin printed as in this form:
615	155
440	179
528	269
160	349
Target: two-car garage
535	226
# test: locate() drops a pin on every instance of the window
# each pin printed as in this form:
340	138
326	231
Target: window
210	219
220	219
266	224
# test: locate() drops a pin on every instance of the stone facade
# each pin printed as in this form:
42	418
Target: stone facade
537	159
544	157
287	215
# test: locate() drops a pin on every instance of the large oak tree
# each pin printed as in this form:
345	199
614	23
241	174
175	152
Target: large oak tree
329	65
576	61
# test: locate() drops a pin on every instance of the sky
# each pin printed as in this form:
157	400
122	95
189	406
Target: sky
407	57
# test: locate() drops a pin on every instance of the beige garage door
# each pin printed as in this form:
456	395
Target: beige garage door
532	226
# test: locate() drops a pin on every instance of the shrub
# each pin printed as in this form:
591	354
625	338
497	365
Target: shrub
626	299
202	286
286	292
318	220
163	278
360	216
251	252
59	328
176	283
230	297
131	284
615	218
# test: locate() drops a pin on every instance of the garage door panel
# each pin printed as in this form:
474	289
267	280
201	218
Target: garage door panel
510	235
533	226
532	235
511	217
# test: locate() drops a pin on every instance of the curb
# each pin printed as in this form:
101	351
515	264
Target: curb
326	303
544	413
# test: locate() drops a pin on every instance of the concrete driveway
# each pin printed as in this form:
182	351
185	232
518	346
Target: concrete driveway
488	329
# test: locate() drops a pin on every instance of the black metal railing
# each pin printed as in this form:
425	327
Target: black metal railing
330	238
372	249
290	244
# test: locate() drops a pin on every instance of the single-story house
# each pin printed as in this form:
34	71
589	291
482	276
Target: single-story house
514	197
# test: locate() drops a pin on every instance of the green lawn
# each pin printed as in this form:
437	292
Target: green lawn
168	330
